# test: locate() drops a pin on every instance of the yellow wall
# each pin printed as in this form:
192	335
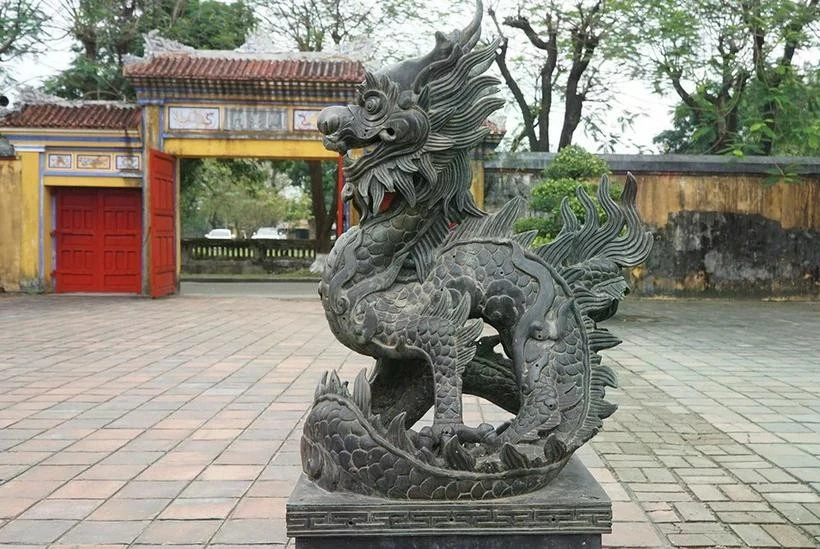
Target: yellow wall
151	140
791	204
10	224
30	219
249	148
151	125
178	214
107	181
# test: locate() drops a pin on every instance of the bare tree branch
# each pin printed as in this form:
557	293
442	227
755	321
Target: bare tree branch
520	100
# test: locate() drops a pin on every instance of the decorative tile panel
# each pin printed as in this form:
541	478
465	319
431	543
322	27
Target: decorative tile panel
127	162
305	120
93	162
193	118
255	119
59	161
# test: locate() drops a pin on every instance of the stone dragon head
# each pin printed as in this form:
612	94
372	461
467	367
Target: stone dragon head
418	122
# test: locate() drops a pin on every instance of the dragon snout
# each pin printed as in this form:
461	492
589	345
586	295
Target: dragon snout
332	118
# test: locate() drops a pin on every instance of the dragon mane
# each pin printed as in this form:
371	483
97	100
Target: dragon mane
430	170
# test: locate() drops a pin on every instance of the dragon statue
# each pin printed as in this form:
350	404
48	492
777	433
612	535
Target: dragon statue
426	272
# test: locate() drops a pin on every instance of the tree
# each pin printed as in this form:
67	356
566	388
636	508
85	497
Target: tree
375	31
318	25
733	64
569	44
21	29
318	179
242	195
109	30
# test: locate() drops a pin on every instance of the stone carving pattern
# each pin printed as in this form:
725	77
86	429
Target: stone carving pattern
414	284
368	522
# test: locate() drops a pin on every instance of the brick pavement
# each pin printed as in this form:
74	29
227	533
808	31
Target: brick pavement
127	422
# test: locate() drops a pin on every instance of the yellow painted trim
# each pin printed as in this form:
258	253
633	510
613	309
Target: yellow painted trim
150	124
178	214
132	134
249	148
48	240
69	181
30	218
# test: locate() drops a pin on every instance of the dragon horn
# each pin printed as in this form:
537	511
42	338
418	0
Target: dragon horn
411	73
468	37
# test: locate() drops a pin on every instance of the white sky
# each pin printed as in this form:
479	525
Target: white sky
653	112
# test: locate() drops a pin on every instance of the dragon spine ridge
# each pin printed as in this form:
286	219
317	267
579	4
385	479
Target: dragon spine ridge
406	289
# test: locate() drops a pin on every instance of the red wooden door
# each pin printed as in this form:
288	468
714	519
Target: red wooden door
98	240
162	214
121	240
76	244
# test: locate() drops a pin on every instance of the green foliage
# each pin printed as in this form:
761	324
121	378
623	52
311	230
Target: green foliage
21	28
211	25
573	162
572	167
242	195
795	131
733	64
297	172
89	79
108	30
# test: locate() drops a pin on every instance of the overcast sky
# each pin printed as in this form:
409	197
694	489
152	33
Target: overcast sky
653	113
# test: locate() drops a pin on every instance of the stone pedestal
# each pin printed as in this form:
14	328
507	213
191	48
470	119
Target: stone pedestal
571	512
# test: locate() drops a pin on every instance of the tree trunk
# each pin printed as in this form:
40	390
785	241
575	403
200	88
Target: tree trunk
322	217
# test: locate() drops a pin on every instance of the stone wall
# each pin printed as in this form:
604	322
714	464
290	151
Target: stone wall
722	226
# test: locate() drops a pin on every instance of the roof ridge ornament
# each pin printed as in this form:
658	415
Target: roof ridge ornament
156	44
27	96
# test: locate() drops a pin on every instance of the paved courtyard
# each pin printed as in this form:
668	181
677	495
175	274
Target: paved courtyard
129	422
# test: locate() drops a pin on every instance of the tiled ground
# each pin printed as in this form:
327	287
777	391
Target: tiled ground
132	422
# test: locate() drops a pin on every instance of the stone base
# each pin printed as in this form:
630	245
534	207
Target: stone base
571	512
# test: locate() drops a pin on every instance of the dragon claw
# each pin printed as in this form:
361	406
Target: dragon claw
440	433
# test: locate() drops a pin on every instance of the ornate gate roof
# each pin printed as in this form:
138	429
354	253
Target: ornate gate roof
74	115
269	76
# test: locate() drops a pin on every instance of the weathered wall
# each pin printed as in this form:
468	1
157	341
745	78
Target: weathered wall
10	224
794	204
720	225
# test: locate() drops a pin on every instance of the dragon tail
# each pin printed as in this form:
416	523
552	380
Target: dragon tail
590	255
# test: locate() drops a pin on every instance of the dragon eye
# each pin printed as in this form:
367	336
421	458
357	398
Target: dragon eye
372	104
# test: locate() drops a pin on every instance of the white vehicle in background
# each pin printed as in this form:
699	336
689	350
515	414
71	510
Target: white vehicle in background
270	233
219	234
